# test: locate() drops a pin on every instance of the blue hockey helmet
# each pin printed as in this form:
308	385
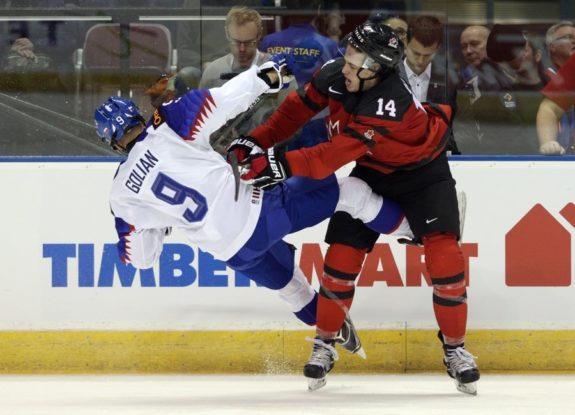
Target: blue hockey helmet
115	117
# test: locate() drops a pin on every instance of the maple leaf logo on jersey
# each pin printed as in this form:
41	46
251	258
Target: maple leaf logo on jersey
369	134
393	42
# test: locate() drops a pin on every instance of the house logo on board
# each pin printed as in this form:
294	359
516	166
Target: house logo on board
538	249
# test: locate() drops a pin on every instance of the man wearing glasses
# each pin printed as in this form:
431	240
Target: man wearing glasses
244	32
560	41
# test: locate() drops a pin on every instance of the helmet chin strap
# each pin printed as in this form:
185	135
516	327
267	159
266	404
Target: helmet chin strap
118	148
125	150
362	80
381	73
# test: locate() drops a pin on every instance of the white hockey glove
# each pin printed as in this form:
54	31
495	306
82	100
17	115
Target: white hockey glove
283	65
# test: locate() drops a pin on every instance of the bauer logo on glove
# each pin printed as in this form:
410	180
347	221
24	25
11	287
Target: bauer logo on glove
243	147
267	169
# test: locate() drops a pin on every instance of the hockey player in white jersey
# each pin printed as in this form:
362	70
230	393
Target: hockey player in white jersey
172	177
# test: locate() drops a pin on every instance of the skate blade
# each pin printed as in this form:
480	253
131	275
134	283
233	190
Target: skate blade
361	353
468	388
315	384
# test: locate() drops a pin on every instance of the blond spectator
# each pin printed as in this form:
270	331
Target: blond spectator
244	32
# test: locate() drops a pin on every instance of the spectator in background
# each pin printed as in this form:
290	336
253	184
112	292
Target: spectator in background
522	62
560	41
199	40
478	74
310	51
480	70
333	22
244	32
301	39
40	53
473	42
397	23
501	116
559	97
428	77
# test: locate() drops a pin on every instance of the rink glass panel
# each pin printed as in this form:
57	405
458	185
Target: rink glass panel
47	102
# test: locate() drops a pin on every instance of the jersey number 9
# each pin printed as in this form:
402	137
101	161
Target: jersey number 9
170	191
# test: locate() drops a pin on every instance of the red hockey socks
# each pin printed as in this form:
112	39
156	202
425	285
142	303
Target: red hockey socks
445	264
342	266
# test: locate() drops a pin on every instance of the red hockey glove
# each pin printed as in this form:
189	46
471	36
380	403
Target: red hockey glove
267	169
243	146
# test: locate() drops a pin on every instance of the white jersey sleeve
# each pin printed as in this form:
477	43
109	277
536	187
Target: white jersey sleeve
199	113
145	247
173	178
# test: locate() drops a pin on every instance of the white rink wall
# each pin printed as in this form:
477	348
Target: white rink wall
59	268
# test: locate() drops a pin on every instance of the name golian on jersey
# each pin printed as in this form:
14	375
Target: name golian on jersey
173	178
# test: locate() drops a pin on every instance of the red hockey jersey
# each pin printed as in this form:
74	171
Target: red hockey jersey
385	127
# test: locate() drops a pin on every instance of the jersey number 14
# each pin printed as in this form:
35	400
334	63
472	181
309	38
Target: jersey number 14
389	107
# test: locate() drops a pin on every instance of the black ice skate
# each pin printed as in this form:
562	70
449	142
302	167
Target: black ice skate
322	359
348	338
460	365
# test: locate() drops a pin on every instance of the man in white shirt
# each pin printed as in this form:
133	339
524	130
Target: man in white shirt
429	80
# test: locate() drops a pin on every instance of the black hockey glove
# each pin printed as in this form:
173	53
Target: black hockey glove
267	169
243	146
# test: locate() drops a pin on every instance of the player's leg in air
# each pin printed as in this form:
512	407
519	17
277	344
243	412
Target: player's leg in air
287	208
360	218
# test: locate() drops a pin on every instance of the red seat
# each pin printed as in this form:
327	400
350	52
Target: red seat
121	62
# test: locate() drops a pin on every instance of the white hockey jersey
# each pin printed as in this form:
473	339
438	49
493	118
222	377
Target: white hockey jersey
173	178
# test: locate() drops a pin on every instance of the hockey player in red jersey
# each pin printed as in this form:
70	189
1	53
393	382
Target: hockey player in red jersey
398	145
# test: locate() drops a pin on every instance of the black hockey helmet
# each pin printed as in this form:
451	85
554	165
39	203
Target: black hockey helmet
379	43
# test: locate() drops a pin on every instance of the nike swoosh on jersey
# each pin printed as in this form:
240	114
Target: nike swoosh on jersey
330	89
428	221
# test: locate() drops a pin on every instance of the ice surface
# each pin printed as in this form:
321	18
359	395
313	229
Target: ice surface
267	394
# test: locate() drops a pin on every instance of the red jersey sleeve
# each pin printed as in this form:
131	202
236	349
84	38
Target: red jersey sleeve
298	107
323	159
561	89
381	143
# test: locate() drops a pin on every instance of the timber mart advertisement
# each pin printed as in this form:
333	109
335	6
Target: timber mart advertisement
60	267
